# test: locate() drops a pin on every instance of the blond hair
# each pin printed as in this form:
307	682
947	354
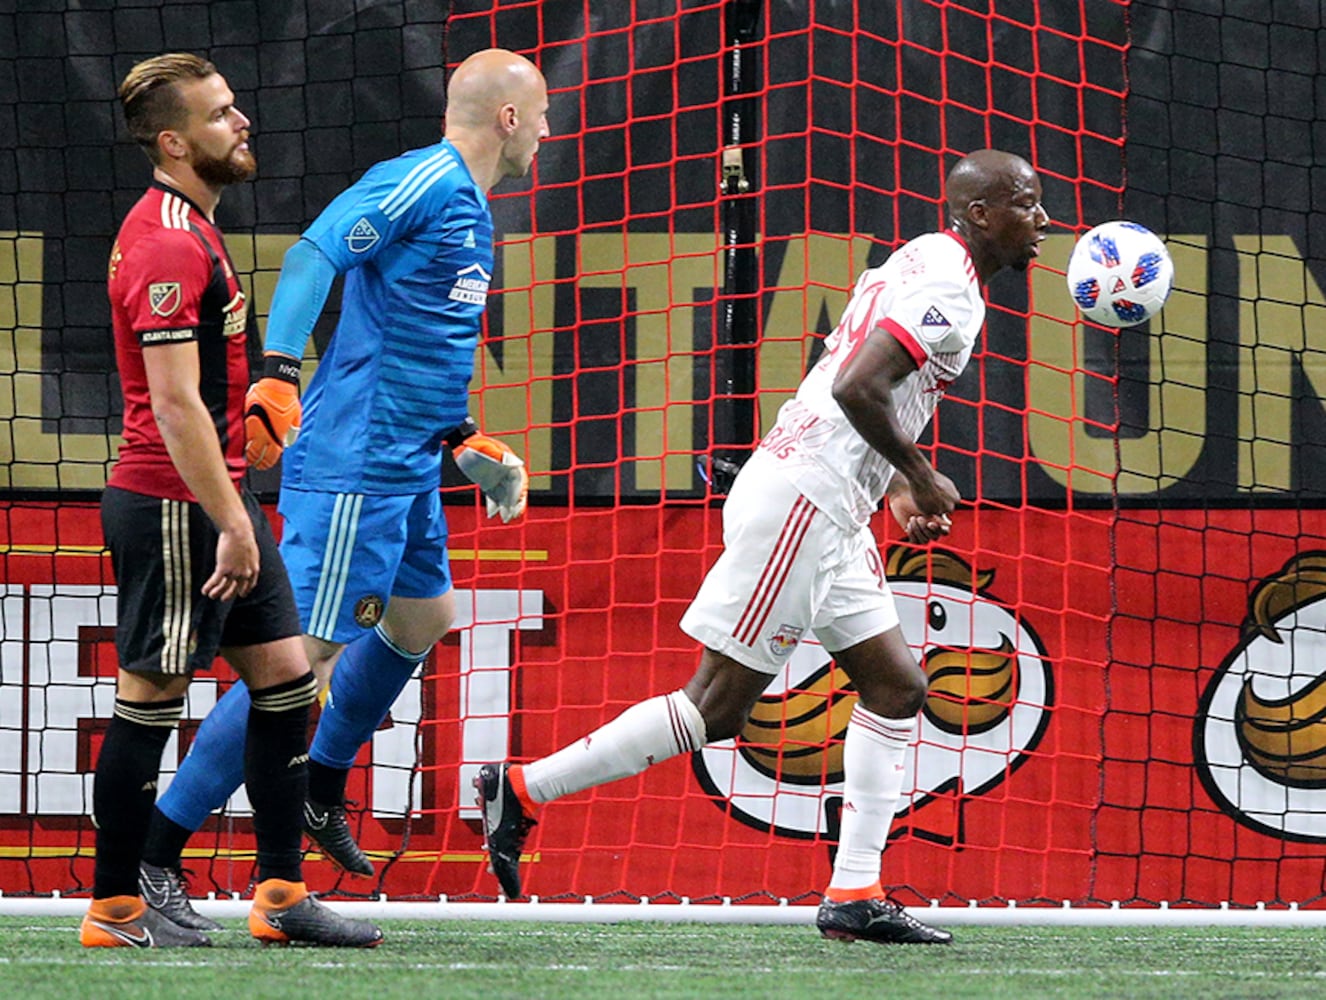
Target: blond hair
152	102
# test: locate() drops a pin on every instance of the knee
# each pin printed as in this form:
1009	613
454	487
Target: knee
723	722
419	627
898	693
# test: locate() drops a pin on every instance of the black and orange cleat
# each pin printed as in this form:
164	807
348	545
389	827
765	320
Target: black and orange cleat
128	922
880	920
506	824
287	913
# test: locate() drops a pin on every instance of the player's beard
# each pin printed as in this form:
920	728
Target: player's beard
239	166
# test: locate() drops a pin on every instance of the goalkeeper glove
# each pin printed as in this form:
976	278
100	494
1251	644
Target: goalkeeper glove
493	467
272	412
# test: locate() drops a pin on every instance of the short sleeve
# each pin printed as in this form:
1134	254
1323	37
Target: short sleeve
163	279
933	303
386	205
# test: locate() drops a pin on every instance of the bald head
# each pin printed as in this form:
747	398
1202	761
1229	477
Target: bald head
985	175
497	106
994	202
486	81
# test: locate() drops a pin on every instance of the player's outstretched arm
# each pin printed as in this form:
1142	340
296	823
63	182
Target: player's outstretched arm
492	466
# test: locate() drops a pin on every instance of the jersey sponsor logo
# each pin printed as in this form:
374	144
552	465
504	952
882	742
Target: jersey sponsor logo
783	440
471	285
368	610
362	236
237	316
113	265
933	317
785	639
164	297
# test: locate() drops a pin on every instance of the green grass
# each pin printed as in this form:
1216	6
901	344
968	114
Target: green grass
423	960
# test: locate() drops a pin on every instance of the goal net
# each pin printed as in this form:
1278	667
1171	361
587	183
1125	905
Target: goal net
1123	632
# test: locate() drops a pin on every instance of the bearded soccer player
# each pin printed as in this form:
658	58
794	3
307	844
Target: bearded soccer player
194	558
365	537
802	506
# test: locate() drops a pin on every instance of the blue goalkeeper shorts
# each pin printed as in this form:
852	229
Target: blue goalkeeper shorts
348	553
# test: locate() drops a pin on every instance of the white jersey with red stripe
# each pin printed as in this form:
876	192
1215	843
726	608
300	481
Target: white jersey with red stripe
928	297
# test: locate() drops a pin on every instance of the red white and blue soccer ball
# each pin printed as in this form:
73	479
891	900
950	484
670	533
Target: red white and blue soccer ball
1120	274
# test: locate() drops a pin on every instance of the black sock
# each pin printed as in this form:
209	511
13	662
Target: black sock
165	841
276	773
326	785
125	789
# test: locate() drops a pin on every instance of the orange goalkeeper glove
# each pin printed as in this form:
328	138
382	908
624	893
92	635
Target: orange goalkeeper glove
497	470
272	412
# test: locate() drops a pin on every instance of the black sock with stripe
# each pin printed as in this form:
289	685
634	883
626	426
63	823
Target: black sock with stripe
276	773
124	790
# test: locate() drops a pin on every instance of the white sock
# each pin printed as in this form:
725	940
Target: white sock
873	753
646	733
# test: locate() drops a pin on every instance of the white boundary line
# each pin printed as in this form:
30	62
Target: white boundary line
590	912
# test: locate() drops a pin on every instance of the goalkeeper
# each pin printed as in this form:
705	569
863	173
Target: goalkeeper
365	538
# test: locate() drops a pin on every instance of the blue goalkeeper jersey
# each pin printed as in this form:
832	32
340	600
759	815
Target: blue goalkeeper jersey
414	240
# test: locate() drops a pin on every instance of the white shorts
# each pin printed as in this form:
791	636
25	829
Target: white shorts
787	568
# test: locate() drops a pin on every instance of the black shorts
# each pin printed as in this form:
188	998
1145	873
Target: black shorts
162	552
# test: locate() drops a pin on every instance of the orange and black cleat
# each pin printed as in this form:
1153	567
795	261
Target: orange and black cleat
128	922
287	913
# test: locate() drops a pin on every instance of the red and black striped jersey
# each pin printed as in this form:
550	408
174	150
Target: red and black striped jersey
170	280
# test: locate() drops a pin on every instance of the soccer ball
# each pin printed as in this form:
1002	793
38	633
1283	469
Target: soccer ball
1120	274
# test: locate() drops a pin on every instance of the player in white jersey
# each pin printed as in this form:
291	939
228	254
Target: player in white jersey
799	554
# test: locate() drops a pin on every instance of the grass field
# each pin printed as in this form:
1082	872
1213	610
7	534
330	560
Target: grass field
40	957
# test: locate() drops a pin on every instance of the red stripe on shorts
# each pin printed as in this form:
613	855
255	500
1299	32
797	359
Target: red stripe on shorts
775	572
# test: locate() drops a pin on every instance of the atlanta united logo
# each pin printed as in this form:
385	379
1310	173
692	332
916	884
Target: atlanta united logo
989	703
1260	738
368	610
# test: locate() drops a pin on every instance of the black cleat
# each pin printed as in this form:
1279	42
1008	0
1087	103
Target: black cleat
275	920
329	828
505	825
163	889
880	920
